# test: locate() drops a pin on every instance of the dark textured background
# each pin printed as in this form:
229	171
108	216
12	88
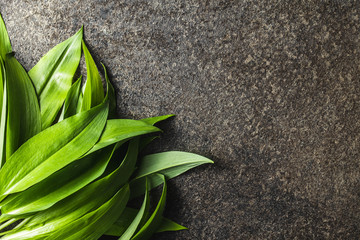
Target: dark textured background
267	89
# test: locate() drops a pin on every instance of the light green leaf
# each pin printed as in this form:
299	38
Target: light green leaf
170	164
154	120
140	217
155	219
71	138
71	101
94	92
23	109
94	224
44	229
112	96
85	200
3	112
58	185
5	46
122	129
53	74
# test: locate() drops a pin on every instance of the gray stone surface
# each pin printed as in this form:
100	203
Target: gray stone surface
268	89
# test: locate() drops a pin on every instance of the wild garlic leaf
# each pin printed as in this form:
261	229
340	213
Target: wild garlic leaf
23	109
154	120
170	164
53	75
169	226
93	92
126	218
5	46
3	112
57	186
94	224
112	96
71	101
86	199
155	219
140	216
56	224
122	129
71	138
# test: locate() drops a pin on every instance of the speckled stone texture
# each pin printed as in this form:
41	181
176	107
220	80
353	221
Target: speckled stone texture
267	89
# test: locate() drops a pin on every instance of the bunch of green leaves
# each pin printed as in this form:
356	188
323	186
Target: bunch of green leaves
69	166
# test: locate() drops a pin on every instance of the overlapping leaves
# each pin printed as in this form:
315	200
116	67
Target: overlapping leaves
68	165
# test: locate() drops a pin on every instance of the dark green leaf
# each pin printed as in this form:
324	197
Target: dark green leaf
155	219
139	218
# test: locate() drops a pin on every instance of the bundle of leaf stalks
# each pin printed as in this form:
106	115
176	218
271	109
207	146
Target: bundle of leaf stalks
69	167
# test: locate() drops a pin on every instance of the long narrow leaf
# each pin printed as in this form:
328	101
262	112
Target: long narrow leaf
170	164
154	120
71	101
124	221
134	225
94	92
155	219
3	112
5	46
46	228
53	74
71	138
87	199
23	109
112	96
94	224
122	129
57	186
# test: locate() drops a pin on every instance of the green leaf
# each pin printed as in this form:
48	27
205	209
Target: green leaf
94	224
23	109
154	120
3	112
53	74
126	218
58	222
140	217
85	200
117	130
155	219
170	164
168	226
5	46
71	138
58	185
71	101
112	96
94	92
